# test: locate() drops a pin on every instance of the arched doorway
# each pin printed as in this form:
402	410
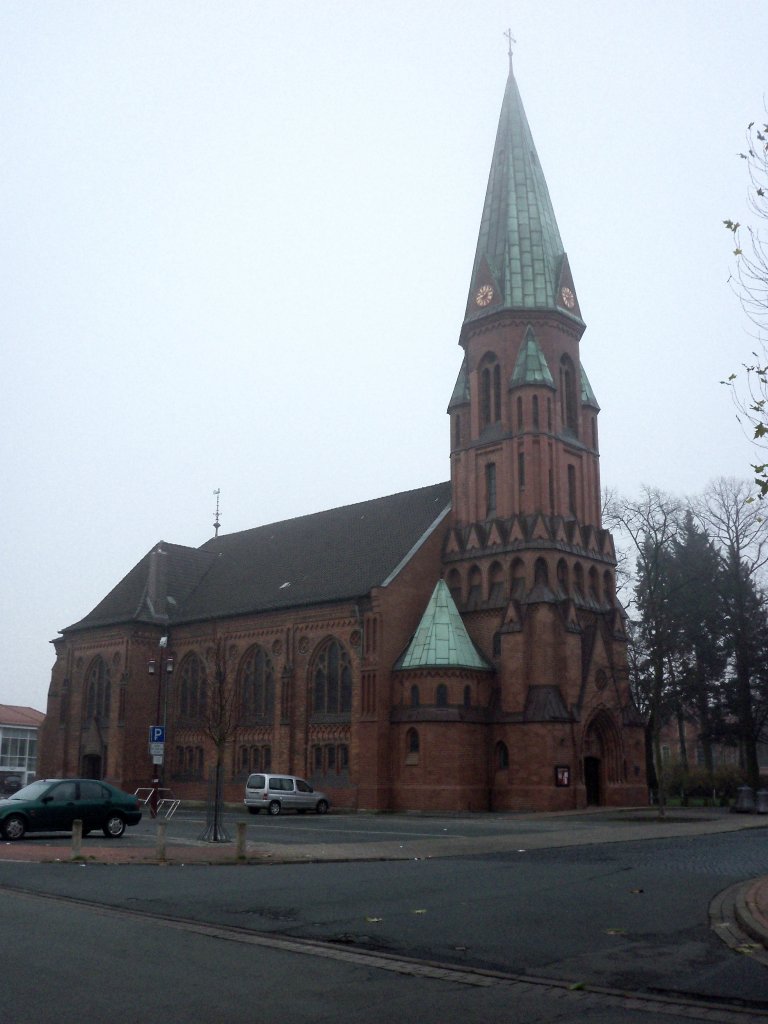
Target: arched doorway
601	757
91	766
592	780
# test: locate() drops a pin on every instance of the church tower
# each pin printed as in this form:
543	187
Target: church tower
526	560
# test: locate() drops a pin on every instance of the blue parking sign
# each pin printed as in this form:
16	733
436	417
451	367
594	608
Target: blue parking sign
157	734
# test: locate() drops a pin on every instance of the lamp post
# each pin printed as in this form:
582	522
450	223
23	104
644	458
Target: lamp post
157	747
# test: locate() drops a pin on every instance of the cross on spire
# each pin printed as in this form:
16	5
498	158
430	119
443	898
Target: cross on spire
510	39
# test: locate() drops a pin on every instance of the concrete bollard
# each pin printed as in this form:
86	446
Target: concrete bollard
77	838
761	798
745	800
240	847
161	827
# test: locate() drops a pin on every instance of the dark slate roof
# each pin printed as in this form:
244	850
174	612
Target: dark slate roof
328	556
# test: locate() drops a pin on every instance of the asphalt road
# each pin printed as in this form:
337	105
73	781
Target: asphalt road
439	940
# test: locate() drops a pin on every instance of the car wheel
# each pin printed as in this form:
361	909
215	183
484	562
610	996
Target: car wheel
114	826
322	807
14	827
254	810
274	807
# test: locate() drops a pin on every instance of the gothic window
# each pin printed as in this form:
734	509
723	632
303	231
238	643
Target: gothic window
568	394
572	489
332	681
593	584
490	489
467	697
520	420
475	595
414	696
562	575
490	392
607	588
412	747
578	578
541	573
535	410
192	688
257	686
521	470
517	590
502	756
98	688
496	584
441	696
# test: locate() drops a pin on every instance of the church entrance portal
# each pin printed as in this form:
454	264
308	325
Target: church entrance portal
592	780
91	766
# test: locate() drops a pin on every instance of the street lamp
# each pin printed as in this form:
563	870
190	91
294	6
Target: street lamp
155	667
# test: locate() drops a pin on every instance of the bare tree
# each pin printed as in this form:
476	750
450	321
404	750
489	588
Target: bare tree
220	720
739	531
750	282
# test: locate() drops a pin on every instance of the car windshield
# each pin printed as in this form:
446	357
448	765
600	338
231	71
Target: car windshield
31	792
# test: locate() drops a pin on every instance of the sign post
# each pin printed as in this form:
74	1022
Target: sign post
157	753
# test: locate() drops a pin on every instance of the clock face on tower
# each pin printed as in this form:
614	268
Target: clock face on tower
569	299
484	295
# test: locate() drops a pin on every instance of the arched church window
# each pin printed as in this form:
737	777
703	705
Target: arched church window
192	688
332	680
568	394
496	584
593	584
257	685
520	419
490	490
490	391
562	575
441	696
607	588
578	578
467	697
475	596
517	588
572	489
541	573
521	470
98	691
502	756
414	696
535	411
412	747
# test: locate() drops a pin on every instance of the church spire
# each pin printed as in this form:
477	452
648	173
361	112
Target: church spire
520	262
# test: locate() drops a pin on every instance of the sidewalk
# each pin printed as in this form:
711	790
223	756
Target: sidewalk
747	912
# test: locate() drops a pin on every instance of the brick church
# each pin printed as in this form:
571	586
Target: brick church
456	647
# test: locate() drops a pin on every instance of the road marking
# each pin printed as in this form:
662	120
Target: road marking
584	996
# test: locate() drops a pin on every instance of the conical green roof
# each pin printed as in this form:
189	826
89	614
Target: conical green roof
531	366
520	256
442	641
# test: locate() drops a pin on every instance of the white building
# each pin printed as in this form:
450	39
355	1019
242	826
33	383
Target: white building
18	745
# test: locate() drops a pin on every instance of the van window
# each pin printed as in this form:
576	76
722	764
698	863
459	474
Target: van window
302	786
283	784
256	782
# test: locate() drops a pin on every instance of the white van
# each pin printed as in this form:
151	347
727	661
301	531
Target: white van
283	793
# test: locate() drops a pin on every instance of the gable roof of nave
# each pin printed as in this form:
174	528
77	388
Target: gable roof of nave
328	556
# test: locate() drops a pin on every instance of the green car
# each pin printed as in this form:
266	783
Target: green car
51	805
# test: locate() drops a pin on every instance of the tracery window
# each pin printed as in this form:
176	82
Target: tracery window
257	686
490	392
332	680
568	394
98	691
192	688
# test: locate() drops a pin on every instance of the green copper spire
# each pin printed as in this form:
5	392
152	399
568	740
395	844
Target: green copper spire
520	262
531	366
442	639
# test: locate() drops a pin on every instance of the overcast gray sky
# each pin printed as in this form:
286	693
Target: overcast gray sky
237	240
